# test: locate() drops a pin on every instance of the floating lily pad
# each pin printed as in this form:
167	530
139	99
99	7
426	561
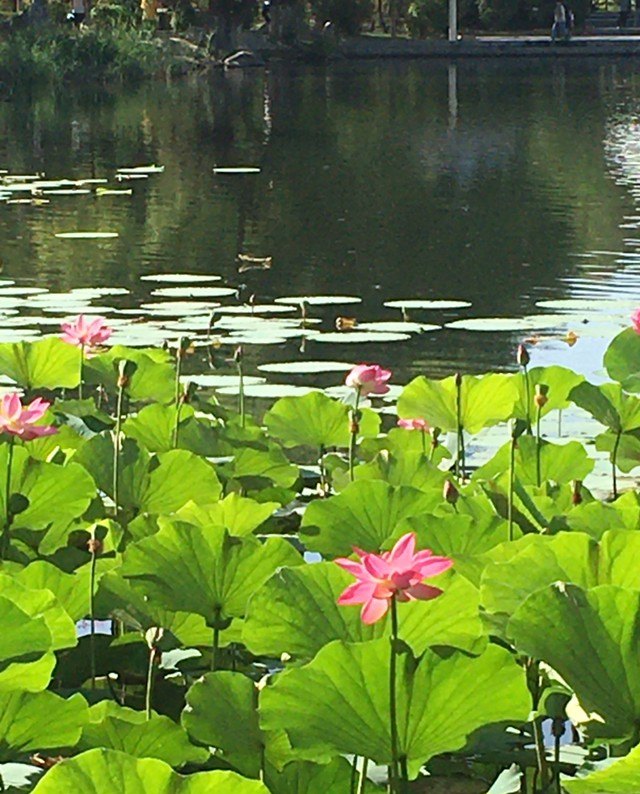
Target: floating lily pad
129	177
398	327
103	191
19	291
496	324
589	304
270	391
238	169
175	308
306	367
264	308
179	278
73	191
319	300
222	381
97	292
86	235
360	337
142	169
196	292
253	339
424	304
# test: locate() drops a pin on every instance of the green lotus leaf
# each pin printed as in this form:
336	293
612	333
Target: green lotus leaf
560	382
189	569
154	426
41	603
485	401
339	702
594	646
153	379
365	514
151	484
406	468
620	776
35	721
70	589
235	513
622	359
56	494
609	405
44	364
560	463
222	712
536	561
26	649
276	623
107	771
304	777
253	467
118	728
628	448
315	420
595	518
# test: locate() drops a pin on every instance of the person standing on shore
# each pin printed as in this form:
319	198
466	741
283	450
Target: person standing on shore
559	29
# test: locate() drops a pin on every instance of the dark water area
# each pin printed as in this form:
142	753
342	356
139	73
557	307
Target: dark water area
501	183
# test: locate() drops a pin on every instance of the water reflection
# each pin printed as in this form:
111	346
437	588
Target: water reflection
477	181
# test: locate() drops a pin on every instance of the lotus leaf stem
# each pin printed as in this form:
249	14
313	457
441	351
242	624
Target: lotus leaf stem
538	447
362	782
527	397
397	784
116	451
512	483
150	681
7	499
614	463
353	441
92	613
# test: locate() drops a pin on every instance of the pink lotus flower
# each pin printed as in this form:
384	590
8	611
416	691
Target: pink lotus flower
414	424
398	574
368	379
19	420
635	321
85	332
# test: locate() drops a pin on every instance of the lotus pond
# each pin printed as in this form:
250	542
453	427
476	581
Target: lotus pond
231	560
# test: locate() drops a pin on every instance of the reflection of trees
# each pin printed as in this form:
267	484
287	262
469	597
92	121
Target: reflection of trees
365	181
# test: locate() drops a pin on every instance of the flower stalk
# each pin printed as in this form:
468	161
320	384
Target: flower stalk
523	359
95	547
238	357
153	637
8	518
614	463
460	456
540	400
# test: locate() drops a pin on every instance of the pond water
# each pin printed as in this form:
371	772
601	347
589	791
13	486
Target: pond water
500	184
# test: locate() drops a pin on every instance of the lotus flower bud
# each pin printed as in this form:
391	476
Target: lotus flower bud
238	354
435	437
450	492
184	343
576	494
540	397
522	356
95	546
153	636
458	380
125	371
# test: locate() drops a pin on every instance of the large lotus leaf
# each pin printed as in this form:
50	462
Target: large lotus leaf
57	494
455	534
253	466
118	728
235	513
153	379
109	771
365	514
592	639
339	702
188	569
304	777
622	359
609	405
26	650
70	589
151	484
154	426
595	518
123	599
315	420
405	468
620	776
45	364
536	561
276	623
222	712
560	463
628	448
559	380
485	401
35	721
41	603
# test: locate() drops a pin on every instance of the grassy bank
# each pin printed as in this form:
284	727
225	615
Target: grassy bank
61	55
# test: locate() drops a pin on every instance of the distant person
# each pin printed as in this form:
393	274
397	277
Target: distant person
625	8
78	12
559	29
